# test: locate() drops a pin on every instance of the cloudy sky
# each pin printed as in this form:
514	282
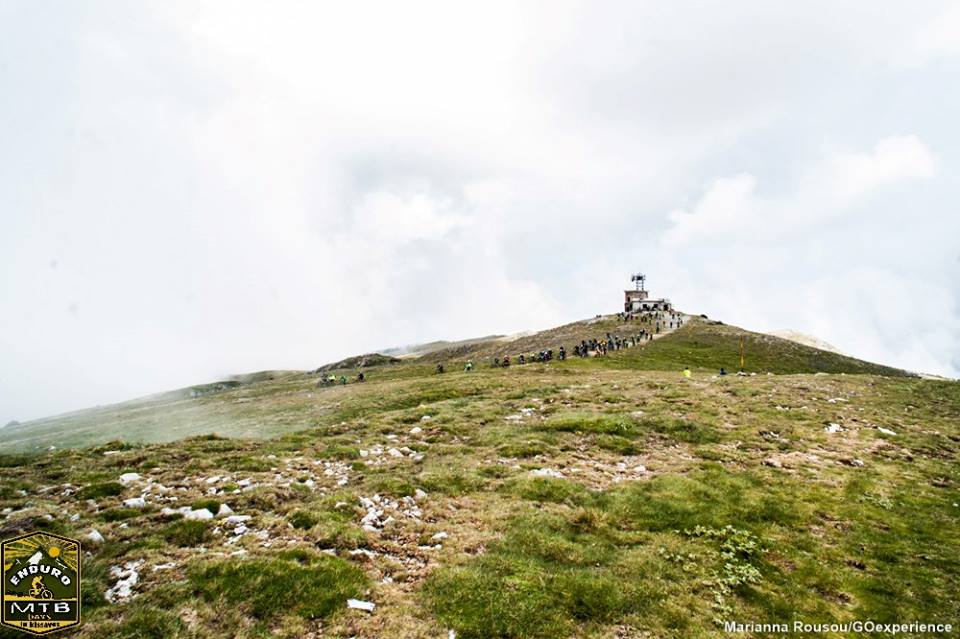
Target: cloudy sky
193	189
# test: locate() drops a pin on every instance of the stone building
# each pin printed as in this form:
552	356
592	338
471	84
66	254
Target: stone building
638	300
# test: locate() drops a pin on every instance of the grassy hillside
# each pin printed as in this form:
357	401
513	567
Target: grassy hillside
710	346
270	403
589	498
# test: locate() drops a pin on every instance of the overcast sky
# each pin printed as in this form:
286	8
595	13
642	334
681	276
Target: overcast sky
191	189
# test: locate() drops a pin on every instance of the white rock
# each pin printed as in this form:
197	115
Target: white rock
357	604
126	478
546	472
885	431
225	511
395	453
439	536
127	577
416	430
213	480
419	494
425	418
198	515
832	428
640	469
243	483
95	536
75	517
135	502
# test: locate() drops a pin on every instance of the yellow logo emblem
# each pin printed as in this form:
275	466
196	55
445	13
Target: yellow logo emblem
41	582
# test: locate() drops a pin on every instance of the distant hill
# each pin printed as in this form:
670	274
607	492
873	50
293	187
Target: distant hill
235	406
359	361
806	340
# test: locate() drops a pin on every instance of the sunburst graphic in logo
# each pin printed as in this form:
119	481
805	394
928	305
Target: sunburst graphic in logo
52	547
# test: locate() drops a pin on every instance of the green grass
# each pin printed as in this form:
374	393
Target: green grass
302	519
307	585
98	491
703	345
187	533
544	579
708	532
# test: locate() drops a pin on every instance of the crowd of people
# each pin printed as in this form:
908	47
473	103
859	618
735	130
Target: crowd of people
654	322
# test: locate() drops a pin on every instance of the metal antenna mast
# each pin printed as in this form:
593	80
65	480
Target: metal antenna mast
640	279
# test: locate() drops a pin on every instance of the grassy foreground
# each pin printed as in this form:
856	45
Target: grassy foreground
592	498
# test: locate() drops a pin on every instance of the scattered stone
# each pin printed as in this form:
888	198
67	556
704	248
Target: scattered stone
547	472
200	514
357	604
225	511
95	537
833	427
416	430
886	431
127	577
439	536
425	418
126	478
773	463
135	502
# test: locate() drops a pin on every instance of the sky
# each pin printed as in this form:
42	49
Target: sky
190	190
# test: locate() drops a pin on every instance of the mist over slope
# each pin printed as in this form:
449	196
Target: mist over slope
269	403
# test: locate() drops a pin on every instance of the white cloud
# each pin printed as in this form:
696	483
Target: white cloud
188	191
730	209
937	39
893	159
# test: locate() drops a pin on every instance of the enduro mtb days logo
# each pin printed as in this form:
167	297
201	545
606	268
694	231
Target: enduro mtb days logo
41	582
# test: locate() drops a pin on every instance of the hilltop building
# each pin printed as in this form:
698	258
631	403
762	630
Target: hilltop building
639	300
